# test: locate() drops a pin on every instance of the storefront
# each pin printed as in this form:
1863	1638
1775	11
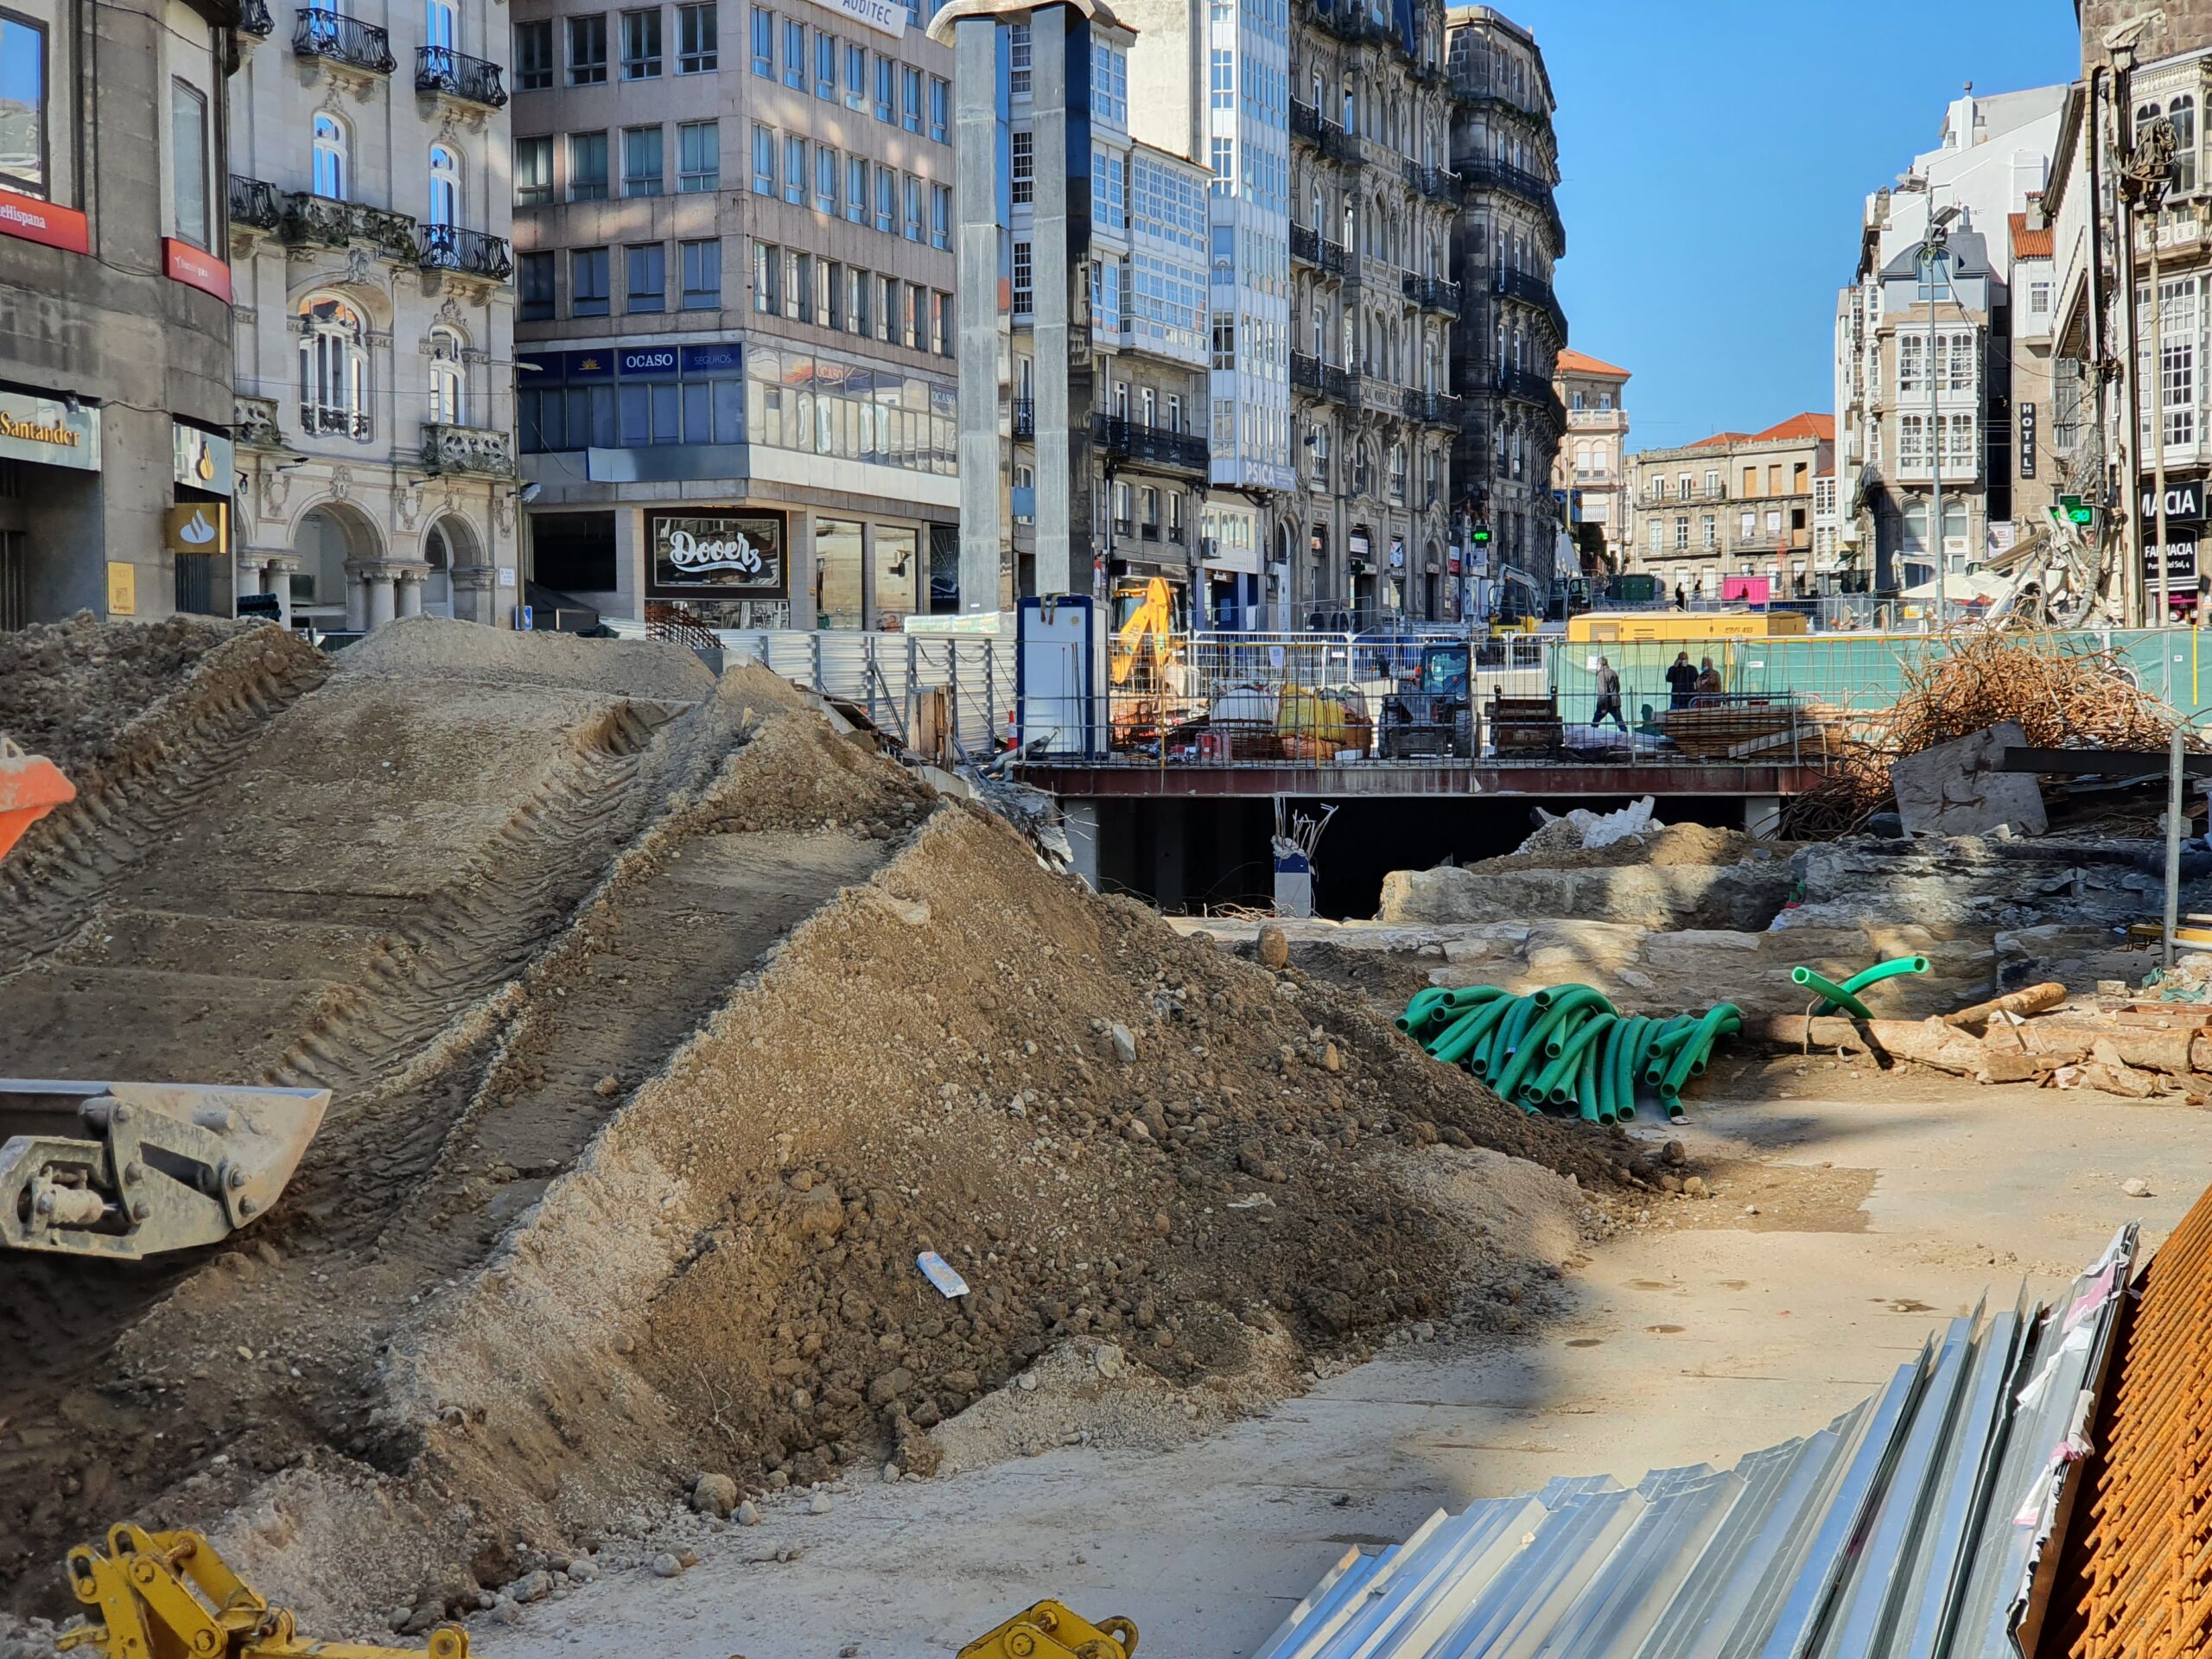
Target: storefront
2184	528
49	486
726	567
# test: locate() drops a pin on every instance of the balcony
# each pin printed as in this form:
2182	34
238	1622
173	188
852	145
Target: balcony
1148	532
1024	418
1480	173
1526	388
1432	294
1474	88
334	422
1531	290
455	74
254	19
1432	408
336	38
1349	22
1305	374
1150	446
467	253
1306	244
318	221
467	451
255	202
1437	183
1346	386
1305	122
254	422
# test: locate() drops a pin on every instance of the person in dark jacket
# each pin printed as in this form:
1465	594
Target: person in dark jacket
1681	681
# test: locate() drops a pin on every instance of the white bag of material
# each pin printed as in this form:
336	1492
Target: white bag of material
1603	829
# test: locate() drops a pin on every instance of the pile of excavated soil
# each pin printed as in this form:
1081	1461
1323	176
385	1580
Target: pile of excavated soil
649	669
70	691
1675	844
656	1067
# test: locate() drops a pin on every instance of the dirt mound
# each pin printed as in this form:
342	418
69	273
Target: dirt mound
71	691
1674	845
434	646
663	1045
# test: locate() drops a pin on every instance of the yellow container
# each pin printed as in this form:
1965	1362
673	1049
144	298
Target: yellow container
1604	627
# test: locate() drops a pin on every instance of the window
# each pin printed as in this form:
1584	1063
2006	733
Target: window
887	200
856	190
794	54
588	50
641	44
2178	359
764	42
1225	168
1681	535
2182	111
698	40
445	187
703	275
1024	282
940	216
941	328
641	160
533	172
886	319
1109	84
794	170
330	169
2039	297
798	286
448	399
1224	340
1017	43
1024	166
533	56
764	161
187	161
1912	444
855	76
825	65
587	167
588	293
886	70
825	179
334	368
534	274
913	208
698	156
767	277
646	279
863	306
940	109
1711	527
911	88
1682	487
1958	362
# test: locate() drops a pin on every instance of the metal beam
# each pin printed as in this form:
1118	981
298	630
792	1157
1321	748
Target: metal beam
2100	763
1430	780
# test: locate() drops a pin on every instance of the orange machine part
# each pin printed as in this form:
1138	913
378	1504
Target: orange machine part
30	787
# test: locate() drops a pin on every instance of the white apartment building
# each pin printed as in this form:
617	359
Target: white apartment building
1590	471
370	209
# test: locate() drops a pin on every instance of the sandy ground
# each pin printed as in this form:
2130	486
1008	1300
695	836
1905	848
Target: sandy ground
1887	1205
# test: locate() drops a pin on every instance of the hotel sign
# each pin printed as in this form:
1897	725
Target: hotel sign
45	431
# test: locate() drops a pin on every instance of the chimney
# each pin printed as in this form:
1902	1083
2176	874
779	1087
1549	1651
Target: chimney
2036	218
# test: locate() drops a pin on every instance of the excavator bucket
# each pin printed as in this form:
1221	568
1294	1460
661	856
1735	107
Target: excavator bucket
30	787
126	1170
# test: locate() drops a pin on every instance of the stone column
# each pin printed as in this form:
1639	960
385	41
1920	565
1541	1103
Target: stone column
409	593
980	206
1060	55
357	598
280	583
249	577
381	600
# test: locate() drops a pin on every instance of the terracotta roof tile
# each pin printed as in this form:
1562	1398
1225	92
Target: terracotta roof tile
2031	245
1574	362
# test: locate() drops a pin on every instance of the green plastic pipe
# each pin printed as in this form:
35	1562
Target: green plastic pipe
1551	994
1689	1057
1728	1026
1672	1035
1586	1088
1455	1044
1568	1011
1420	1007
1530	1049
1882	970
1837	996
1488	1056
1558	1082
1620	1076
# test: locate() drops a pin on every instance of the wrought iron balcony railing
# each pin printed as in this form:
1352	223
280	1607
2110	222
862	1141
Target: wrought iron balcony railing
1155	446
471	253
322	33
1432	408
254	19
1437	183
320	222
1305	121
1530	289
1305	244
1305	373
333	423
1524	387
1432	294
441	69
1024	418
255	202
1481	173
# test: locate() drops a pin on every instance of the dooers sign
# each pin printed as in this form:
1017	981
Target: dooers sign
717	556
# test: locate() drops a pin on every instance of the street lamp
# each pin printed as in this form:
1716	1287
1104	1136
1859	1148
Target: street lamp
1935	254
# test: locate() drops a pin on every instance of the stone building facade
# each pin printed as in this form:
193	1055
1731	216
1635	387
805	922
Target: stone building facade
1737	504
734	255
371	204
116	468
1590	471
1508	239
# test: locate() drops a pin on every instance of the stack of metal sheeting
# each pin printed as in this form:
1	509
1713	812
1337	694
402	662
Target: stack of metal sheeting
1914	1525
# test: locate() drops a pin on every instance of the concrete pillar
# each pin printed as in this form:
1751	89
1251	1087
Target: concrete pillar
357	599
410	595
799	558
869	618
280	583
1060	56
981	300
249	574
382	600
1762	815
1079	822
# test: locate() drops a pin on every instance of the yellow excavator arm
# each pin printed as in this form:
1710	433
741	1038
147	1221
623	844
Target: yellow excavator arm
1153	619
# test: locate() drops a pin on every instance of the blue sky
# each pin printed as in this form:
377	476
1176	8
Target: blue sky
1717	154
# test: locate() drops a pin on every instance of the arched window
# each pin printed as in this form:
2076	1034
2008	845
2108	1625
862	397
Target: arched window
334	368
448	388
331	171
437	25
445	188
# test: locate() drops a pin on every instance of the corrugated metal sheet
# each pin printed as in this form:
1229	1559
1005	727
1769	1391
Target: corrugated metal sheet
1913	1526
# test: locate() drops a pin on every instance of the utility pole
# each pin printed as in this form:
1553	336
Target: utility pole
2130	444
1934	253
2150	171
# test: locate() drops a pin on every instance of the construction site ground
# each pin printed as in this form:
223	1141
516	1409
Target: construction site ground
1887	1205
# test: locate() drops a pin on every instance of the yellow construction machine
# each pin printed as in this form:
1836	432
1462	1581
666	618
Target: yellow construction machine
169	1595
126	1170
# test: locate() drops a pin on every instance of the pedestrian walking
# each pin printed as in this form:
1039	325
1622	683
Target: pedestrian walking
1708	682
1681	681
1609	696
